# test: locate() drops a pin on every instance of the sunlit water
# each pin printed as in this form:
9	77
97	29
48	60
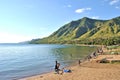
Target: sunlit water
21	60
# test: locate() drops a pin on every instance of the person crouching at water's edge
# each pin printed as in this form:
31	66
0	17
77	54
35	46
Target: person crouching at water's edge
57	65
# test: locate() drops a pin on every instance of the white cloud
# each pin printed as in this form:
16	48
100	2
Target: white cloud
95	17
114	2
12	38
82	10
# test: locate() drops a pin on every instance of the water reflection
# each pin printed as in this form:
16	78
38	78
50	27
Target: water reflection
69	54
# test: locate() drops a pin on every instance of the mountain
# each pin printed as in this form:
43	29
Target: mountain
86	30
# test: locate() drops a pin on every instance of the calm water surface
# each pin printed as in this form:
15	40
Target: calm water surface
21	60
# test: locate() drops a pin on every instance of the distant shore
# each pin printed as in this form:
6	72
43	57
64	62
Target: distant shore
88	70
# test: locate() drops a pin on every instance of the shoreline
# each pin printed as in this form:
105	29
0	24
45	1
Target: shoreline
71	65
83	72
85	67
24	78
68	66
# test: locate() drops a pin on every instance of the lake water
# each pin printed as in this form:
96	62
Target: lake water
21	60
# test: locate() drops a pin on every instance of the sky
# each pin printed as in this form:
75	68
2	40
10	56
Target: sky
22	20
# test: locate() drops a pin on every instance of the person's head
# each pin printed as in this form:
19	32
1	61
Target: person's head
56	62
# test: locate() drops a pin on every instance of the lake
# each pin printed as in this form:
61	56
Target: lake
22	60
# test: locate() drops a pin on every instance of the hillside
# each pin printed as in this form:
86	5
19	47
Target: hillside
87	31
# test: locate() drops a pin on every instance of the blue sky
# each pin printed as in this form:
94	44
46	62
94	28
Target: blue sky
22	20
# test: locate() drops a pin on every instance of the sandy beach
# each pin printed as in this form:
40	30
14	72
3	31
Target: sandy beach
89	70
